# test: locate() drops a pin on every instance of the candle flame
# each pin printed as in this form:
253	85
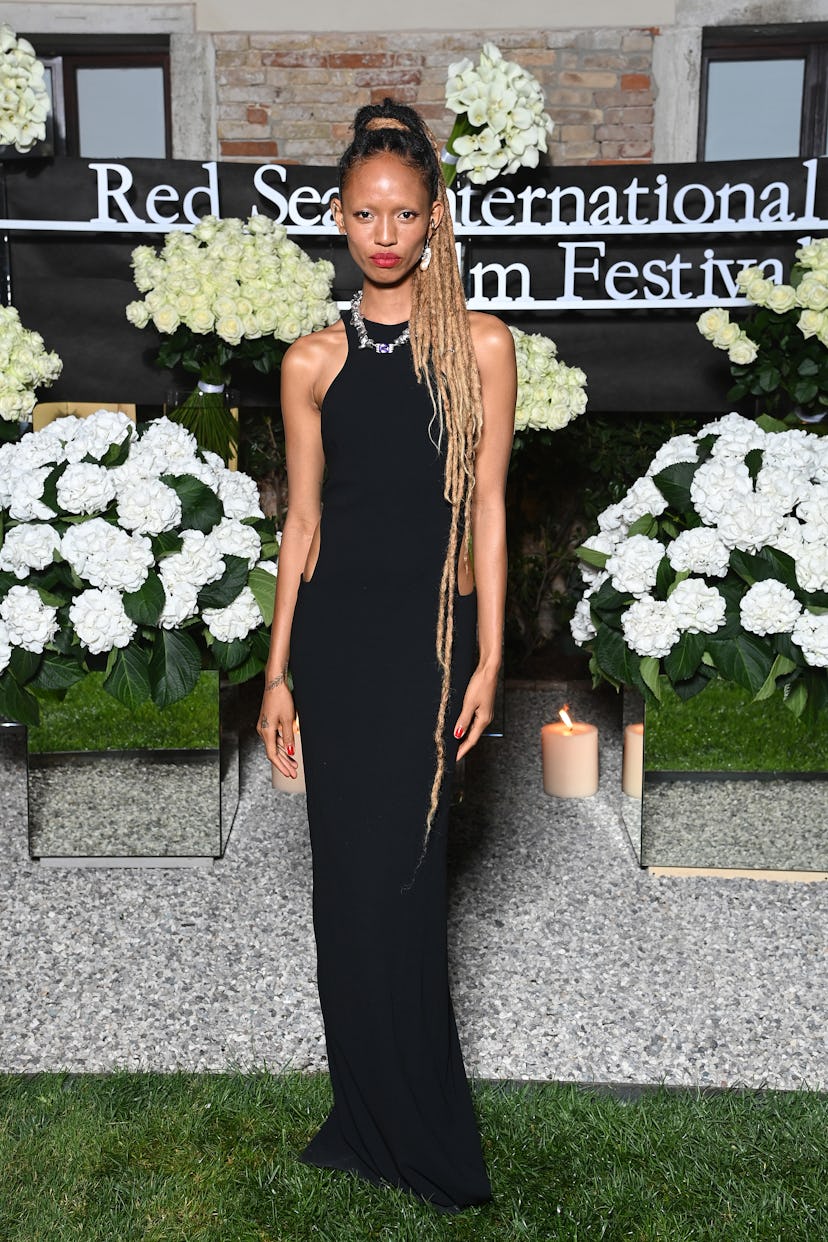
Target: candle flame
565	717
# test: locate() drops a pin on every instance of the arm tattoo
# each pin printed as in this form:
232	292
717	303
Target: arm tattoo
265	722
276	681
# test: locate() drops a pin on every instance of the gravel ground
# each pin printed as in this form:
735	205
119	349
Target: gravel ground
568	961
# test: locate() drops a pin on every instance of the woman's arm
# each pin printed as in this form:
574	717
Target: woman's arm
495	353
305	462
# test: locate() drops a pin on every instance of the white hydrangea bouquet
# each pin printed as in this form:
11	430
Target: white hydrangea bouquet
24	100
132	552
228	291
501	124
779	355
25	365
715	564
550	393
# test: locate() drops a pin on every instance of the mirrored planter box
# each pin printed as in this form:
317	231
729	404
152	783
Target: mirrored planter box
728	783
107	783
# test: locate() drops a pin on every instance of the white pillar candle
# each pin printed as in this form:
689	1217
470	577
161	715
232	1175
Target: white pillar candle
632	767
291	784
570	759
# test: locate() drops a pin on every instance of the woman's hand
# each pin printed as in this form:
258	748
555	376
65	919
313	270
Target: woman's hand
478	709
275	727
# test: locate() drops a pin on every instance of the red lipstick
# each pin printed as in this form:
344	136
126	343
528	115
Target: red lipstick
385	260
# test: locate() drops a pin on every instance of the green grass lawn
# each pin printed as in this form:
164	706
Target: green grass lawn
89	718
212	1158
721	730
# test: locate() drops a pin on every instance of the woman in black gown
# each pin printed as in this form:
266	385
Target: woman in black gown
407	406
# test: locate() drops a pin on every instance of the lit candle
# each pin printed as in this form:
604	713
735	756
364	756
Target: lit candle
632	767
291	784
570	757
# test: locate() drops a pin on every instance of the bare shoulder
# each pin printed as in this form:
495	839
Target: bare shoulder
311	352
492	340
311	361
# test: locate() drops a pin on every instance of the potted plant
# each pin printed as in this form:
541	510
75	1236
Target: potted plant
709	578
137	568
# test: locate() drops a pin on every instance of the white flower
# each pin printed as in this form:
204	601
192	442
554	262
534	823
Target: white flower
697	607
24	99
198	562
781	486
813	509
711	323
30	623
180	602
5	647
147	505
612	521
26	547
95	435
769	607
811	634
699	551
104	555
743	350
238	279
165	447
634	564
643	497
234	538
678	449
239	495
749	522
236	620
603	541
581	624
718	483
271	567
650	627
24	363
735	427
100	620
25	502
811	560
550	394
85	488
792	450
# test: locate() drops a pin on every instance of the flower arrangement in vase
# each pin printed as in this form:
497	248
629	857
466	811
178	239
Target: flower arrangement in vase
779	355
230	291
24	100
715	565
132	553
501	124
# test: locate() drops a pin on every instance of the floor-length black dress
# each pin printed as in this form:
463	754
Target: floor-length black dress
367	688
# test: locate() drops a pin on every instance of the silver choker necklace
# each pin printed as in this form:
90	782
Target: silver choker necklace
365	342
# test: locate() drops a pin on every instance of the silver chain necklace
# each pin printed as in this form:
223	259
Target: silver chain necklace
379	347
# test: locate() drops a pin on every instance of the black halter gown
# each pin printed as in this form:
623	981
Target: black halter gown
367	688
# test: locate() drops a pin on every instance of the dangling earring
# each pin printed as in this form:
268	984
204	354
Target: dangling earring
426	257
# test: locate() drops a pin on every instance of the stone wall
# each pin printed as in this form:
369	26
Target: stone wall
292	96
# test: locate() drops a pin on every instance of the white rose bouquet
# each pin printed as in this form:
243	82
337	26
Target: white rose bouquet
230	290
24	100
779	355
501	124
550	394
25	365
129	552
715	565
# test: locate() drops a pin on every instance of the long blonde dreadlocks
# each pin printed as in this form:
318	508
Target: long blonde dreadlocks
444	361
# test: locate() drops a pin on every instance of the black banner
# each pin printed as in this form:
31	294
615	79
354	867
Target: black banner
615	263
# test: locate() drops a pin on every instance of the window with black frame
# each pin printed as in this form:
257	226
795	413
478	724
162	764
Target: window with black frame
764	92
110	94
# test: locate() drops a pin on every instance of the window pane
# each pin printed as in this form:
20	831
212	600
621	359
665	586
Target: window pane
753	108
121	112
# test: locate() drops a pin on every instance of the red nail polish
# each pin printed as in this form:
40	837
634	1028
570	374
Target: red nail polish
290	750
458	732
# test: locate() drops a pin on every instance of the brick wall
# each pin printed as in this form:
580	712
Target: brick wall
293	96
